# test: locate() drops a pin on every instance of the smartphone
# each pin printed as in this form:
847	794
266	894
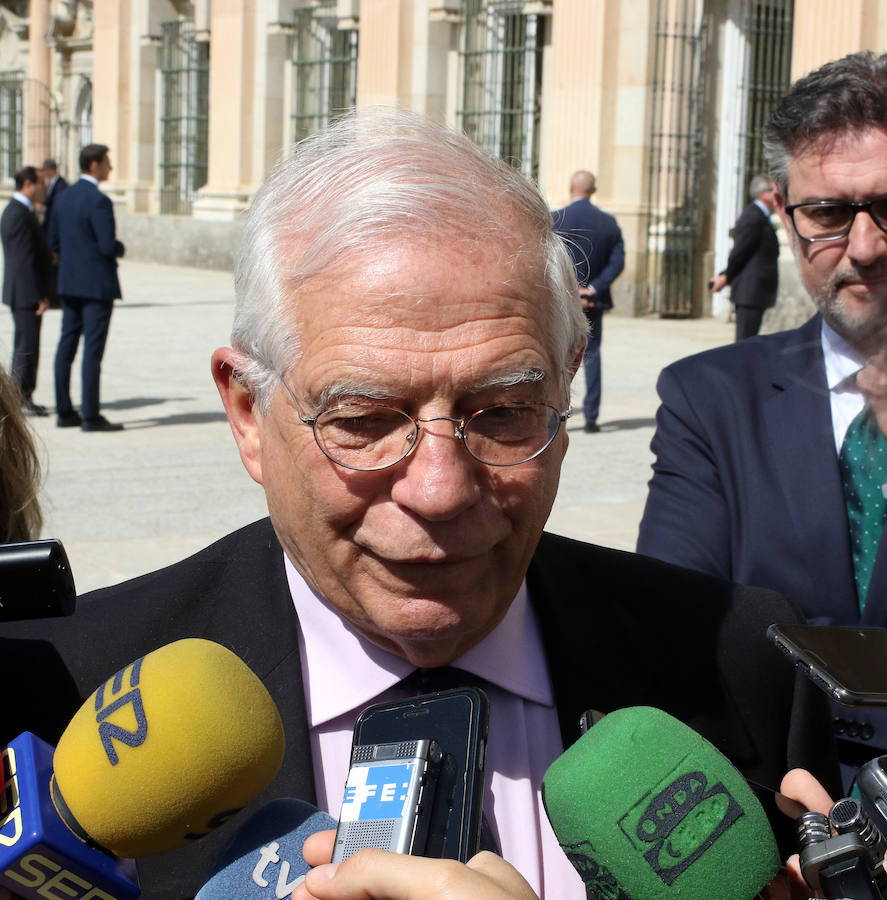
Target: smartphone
849	663
438	741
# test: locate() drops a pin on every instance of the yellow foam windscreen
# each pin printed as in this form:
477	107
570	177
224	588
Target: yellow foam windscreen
167	749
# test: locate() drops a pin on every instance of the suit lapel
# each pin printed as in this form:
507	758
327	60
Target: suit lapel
797	418
267	641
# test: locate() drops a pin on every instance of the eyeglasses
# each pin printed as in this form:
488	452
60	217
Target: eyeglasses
831	220
369	436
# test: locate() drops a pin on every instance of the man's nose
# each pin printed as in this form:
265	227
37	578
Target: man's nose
867	242
440	479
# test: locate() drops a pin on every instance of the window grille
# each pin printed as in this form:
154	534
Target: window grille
324	70
10	123
83	116
676	136
184	119
501	80
768	25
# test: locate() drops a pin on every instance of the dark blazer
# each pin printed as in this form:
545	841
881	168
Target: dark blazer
595	243
82	232
26	259
752	269
618	629
746	484
49	201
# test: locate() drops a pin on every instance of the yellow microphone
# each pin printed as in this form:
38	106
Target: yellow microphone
167	750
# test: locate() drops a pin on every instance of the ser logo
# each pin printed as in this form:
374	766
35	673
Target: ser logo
126	708
682	820
10	802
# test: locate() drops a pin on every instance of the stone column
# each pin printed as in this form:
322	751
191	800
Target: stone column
384	73
861	25
38	134
596	83
111	97
232	86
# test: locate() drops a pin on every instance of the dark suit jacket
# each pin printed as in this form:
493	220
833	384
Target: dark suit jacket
49	201
26	258
619	630
82	232
752	269
746	483
595	243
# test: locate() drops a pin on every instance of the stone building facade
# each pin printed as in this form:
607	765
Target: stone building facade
662	99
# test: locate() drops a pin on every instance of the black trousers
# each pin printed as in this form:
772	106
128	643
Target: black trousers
25	349
748	321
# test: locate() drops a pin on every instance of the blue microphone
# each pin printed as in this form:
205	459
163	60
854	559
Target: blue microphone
264	859
39	855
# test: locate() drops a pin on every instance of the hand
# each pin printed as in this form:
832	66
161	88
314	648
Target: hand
585	295
392	876
719	282
801	793
42	306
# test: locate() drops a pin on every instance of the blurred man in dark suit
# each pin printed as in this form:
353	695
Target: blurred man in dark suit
26	281
752	271
54	184
82	232
595	244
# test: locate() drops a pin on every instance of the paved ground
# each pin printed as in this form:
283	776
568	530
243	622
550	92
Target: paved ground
126	503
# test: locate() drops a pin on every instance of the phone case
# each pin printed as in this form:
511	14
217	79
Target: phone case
459	721
849	663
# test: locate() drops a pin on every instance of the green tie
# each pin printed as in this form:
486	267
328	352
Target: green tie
863	464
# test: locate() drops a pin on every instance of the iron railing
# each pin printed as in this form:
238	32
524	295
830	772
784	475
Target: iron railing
500	54
324	70
184	118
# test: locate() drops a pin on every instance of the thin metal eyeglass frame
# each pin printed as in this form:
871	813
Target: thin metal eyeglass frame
459	434
855	206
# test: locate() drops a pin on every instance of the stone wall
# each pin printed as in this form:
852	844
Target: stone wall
793	305
179	240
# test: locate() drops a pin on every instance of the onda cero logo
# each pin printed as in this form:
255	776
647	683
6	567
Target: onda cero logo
683	818
122	718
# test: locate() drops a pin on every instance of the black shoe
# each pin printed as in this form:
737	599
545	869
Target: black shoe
68	420
592	427
100	423
30	408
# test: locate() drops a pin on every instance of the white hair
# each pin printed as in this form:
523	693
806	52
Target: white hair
371	178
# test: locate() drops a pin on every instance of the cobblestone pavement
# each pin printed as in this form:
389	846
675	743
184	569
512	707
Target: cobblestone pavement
128	502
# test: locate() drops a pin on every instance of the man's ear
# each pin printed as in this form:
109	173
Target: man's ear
577	359
240	410
779	200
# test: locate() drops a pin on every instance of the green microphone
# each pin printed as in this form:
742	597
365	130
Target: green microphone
645	808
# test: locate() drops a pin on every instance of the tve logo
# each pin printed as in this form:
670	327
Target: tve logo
377	792
128	708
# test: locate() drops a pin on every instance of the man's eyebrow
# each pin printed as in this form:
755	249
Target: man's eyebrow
332	393
513	378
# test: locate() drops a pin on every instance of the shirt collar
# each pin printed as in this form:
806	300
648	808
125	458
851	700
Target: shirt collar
763	208
842	362
23	200
90	179
346	671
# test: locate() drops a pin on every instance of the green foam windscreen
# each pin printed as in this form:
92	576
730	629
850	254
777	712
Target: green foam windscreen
167	749
644	805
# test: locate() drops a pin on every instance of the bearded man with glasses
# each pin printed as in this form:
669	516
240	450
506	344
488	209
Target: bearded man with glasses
406	329
756	475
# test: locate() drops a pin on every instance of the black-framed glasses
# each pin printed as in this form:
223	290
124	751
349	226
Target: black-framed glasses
831	220
370	436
